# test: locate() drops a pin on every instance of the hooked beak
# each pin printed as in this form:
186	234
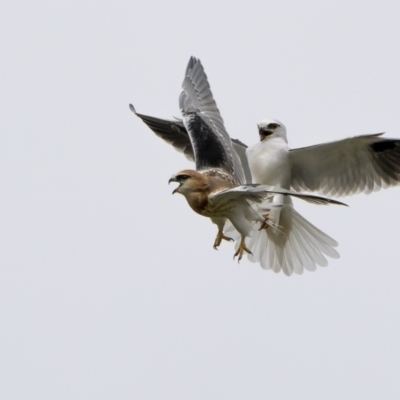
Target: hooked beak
173	179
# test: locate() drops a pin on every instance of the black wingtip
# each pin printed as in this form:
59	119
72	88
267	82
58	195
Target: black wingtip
132	108
384	144
338	203
192	62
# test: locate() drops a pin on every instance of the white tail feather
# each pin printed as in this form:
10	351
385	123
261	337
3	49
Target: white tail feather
294	246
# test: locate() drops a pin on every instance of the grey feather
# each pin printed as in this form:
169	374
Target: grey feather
174	132
257	193
345	167
211	143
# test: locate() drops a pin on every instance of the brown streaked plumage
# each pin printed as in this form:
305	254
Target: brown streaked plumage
197	186
201	189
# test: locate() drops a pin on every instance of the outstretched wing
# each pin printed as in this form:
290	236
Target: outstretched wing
174	132
211	143
258	193
360	164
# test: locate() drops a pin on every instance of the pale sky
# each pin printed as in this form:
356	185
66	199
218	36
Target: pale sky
109	285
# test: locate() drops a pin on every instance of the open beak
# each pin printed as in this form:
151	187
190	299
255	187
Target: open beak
173	179
264	133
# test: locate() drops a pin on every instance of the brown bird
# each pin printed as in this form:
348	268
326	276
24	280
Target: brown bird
216	194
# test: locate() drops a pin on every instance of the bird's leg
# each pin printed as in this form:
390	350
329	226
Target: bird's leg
264	224
242	248
220	237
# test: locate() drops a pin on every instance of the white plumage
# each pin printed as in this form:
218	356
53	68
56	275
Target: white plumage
292	244
355	165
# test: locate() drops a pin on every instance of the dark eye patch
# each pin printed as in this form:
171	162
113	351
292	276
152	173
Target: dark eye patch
182	177
272	125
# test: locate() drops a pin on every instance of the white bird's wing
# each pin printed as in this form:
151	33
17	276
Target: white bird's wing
211	142
258	193
360	164
240	149
174	133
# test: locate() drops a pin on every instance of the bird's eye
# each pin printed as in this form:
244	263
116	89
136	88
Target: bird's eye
272	125
183	177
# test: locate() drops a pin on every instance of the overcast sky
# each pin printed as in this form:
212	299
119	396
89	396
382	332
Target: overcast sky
109	285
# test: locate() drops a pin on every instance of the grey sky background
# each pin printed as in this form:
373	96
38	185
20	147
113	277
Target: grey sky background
109	285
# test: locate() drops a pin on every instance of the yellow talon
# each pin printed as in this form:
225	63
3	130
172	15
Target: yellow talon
264	224
219	238
242	248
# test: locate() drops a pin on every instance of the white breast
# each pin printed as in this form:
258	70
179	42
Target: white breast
269	162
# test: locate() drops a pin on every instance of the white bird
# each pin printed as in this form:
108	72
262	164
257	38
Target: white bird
360	164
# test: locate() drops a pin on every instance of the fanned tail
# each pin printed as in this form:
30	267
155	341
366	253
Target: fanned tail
295	245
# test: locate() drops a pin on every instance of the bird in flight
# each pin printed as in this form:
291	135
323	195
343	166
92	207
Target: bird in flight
361	164
220	188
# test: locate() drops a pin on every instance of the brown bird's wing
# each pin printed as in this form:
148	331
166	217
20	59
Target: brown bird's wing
212	145
174	132
258	193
